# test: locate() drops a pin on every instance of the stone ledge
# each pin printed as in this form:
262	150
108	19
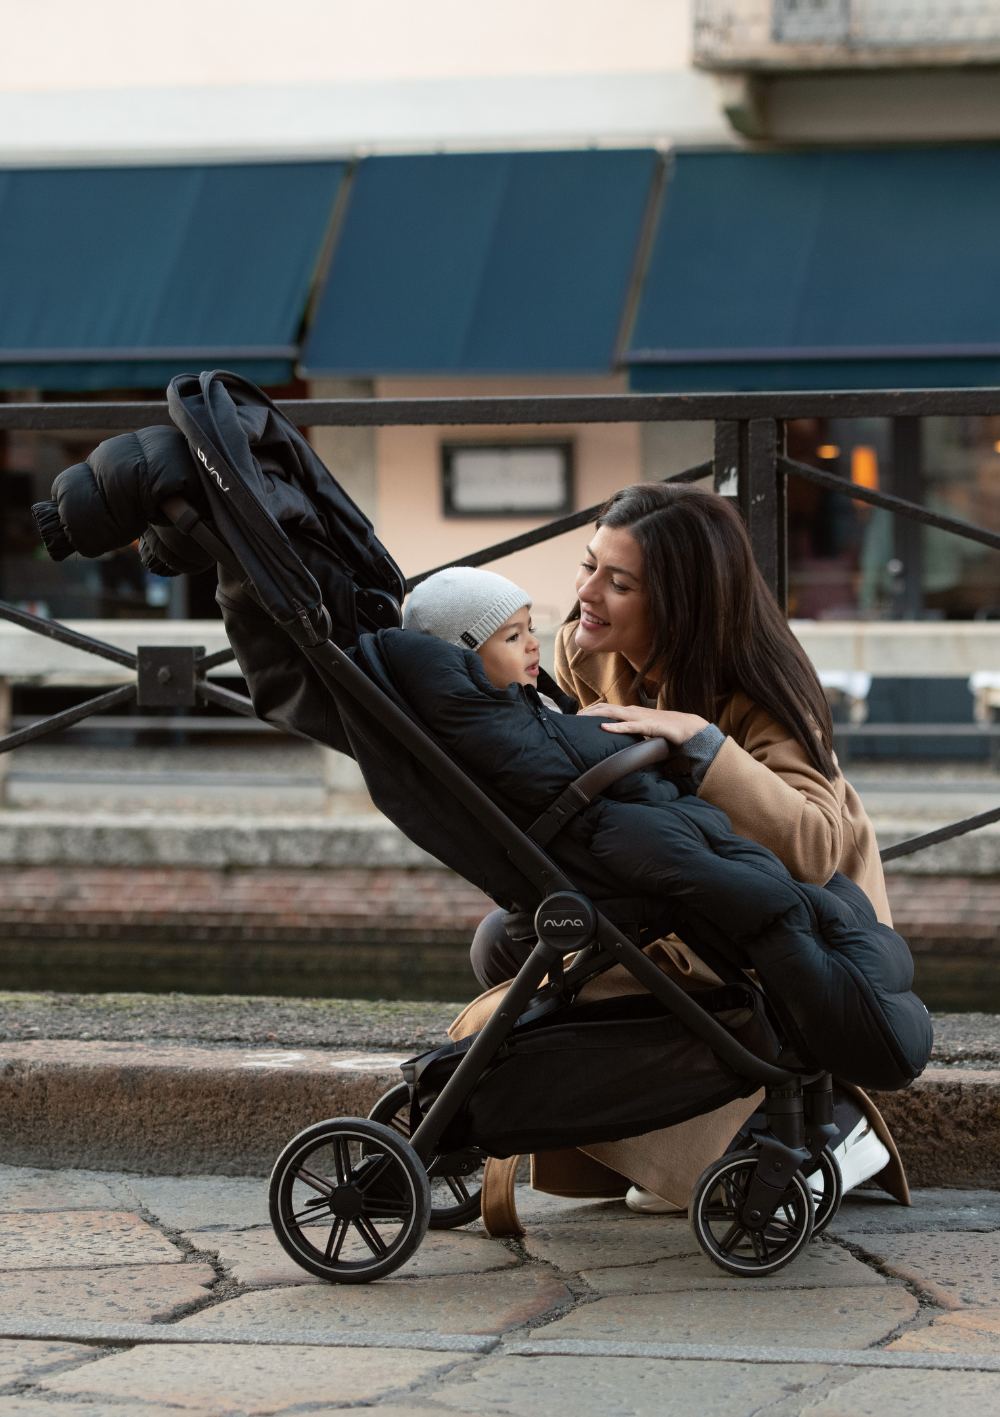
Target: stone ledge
224	1110
322	842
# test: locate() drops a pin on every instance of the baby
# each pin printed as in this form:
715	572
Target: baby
485	612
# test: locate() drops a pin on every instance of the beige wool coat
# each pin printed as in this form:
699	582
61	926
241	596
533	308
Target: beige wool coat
764	782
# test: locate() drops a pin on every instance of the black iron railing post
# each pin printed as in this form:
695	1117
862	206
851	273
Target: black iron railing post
726	458
763	502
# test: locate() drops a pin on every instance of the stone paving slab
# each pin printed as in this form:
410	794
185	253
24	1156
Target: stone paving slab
199	1202
892	1393
954	1270
626	1239
125	1293
865	1212
23	1189
820	1266
620	1387
962	1331
32	1405
41	1239
22	1360
838	1318
449	1304
254	1257
222	1379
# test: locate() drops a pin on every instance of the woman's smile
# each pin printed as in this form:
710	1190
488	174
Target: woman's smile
610	586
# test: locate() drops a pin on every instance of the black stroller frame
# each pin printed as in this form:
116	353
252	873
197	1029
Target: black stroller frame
752	1211
350	1198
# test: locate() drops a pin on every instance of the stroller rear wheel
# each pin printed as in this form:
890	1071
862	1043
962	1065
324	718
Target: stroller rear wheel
715	1210
456	1179
349	1200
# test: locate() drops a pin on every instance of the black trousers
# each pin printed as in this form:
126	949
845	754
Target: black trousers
500	946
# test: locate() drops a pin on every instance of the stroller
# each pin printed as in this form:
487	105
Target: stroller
311	603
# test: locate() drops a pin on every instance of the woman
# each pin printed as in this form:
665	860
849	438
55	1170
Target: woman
675	635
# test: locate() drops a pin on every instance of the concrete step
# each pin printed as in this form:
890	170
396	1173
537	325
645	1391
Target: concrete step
202	1108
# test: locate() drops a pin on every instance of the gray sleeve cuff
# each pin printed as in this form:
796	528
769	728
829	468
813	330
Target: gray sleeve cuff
700	750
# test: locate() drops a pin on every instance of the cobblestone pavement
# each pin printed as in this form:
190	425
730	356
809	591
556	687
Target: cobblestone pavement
154	1294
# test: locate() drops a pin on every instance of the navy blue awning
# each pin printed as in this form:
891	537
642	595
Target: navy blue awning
483	263
126	276
873	269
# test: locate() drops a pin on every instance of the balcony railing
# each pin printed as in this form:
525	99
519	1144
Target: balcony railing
851	34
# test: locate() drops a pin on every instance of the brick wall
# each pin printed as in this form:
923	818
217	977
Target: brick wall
398	930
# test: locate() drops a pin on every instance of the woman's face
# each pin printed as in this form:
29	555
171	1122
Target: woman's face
611	589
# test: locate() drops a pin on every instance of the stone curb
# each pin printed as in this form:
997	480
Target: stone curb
152	839
183	1109
323	842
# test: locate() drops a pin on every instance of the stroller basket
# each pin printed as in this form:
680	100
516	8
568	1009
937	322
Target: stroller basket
594	1072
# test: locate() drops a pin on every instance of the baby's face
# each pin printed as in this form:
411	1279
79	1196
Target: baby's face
510	656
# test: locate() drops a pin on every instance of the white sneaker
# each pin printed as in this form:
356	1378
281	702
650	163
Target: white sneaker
860	1156
646	1203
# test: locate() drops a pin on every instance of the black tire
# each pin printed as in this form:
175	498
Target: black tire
828	1194
456	1193
716	1202
349	1200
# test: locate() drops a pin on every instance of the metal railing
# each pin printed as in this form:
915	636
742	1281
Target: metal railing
749	456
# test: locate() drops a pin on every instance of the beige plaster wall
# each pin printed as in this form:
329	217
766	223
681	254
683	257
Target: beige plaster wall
408	486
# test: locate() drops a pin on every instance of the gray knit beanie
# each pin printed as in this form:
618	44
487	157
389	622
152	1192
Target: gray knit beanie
463	605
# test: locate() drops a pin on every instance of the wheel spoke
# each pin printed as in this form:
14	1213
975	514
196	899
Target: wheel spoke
370	1235
335	1243
732	1236
458	1188
379	1209
374	1166
759	1247
310	1212
318	1183
342	1159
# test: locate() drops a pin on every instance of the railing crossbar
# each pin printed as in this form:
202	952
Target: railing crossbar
913	510
538	409
123	695
934	838
55	630
546	532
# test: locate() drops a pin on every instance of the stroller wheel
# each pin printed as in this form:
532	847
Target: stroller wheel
827	1187
456	1179
715	1207
349	1200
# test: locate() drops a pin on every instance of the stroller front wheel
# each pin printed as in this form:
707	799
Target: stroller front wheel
716	1218
349	1200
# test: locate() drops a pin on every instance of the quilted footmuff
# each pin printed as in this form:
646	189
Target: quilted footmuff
594	1072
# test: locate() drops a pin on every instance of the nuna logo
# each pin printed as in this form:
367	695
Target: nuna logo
209	468
565	922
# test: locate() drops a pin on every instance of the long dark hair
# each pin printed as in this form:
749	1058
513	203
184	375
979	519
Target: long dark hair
716	627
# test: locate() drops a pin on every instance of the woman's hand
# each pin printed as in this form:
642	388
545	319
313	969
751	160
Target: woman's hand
675	727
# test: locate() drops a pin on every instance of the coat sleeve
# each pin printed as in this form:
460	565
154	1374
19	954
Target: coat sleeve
773	794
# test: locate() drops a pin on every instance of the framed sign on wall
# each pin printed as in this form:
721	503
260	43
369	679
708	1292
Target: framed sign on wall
507	479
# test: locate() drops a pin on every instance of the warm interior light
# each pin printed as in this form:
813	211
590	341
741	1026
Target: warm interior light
828	450
996	447
864	467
